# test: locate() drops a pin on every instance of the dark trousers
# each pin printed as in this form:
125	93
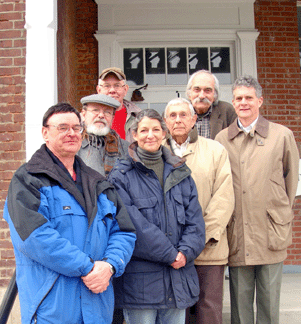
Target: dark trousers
209	308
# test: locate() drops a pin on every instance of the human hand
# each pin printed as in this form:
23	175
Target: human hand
180	261
98	279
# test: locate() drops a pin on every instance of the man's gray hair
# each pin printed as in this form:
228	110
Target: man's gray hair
216	84
179	101
249	82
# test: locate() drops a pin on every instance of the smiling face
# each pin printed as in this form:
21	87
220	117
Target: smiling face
62	145
149	134
246	104
202	92
179	121
113	87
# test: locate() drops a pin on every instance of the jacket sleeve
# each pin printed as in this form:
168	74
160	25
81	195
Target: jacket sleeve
122	235
26	211
151	244
290	166
192	241
220	208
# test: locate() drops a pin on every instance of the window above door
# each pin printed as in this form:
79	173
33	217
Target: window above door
160	66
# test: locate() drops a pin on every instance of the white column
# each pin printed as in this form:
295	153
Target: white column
41	67
247	53
108	51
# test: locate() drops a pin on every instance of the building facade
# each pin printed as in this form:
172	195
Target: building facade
53	50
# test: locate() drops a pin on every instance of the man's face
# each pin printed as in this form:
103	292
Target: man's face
202	92
63	145
179	121
246	104
98	118
113	87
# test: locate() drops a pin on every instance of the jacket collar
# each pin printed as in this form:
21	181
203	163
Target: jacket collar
168	157
261	127
193	135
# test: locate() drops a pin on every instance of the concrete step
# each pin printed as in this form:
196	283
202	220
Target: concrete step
290	300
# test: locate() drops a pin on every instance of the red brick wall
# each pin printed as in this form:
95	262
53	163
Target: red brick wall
279	74
12	114
86	49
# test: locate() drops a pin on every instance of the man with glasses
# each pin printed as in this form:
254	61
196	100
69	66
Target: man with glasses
213	115
70	231
210	169
101	145
112	82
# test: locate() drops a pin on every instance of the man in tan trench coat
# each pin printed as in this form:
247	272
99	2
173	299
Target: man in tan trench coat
211	171
264	161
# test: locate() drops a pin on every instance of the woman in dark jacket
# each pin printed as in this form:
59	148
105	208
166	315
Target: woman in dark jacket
160	281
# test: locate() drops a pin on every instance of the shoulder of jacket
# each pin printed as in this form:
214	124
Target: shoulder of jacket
224	105
122	166
211	145
131	106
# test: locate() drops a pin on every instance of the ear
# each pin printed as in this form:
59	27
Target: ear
83	114
194	118
164	134
260	101
134	135
98	89
126	88
45	134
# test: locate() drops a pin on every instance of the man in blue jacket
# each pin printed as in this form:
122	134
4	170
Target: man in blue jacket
70	231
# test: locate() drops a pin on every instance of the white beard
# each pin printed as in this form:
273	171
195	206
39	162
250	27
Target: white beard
92	129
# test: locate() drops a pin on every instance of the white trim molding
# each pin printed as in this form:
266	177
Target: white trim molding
41	67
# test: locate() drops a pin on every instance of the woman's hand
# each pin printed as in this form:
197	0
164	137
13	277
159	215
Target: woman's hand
180	261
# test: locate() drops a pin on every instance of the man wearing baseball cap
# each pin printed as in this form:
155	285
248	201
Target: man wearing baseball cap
112	82
101	145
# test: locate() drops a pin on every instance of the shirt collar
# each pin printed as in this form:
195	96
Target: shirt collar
206	114
179	149
248	128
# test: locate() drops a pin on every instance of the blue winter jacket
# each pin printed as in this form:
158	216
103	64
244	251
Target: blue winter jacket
166	221
57	233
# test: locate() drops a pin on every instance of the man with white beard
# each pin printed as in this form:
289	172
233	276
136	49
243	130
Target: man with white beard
213	115
101	145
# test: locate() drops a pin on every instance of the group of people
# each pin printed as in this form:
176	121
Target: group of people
127	215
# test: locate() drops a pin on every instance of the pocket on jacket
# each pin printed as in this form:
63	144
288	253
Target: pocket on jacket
180	209
147	208
190	281
68	218
232	235
143	283
279	229
276	193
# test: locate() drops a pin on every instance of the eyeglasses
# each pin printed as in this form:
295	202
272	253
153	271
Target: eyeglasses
174	116
106	112
64	128
116	86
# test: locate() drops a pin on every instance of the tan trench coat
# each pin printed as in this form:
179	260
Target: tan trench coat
210	167
264	166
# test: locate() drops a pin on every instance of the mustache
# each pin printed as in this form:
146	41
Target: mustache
101	120
204	100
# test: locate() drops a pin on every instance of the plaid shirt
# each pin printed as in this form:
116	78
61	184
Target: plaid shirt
203	125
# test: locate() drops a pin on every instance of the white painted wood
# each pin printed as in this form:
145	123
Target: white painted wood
41	67
176	23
